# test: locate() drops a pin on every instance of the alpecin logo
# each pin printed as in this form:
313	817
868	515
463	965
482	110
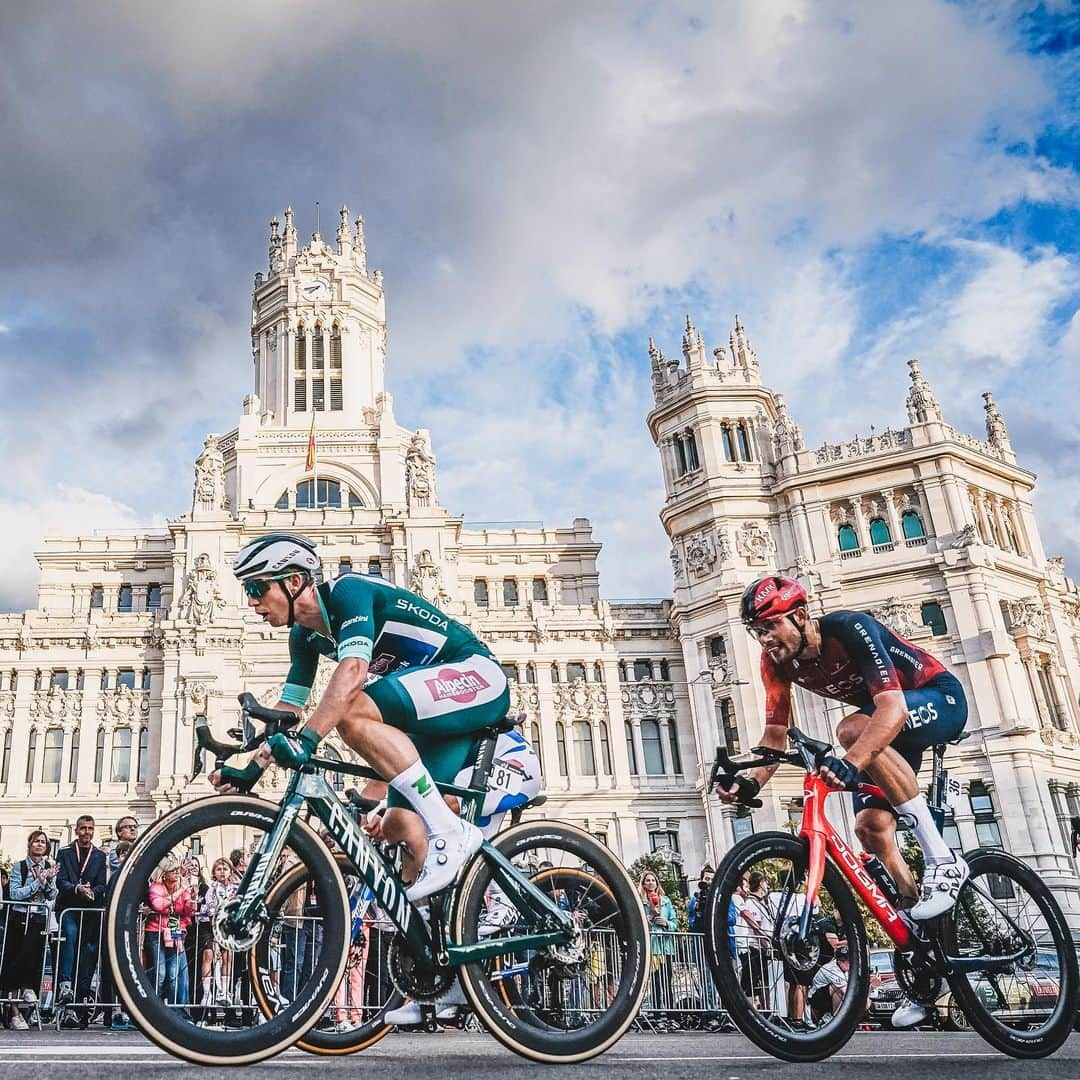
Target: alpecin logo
459	686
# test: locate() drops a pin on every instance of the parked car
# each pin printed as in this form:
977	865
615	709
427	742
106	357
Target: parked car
885	992
1029	995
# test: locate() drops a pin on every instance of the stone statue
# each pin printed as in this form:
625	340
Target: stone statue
921	403
965	537
202	598
210	478
426	579
996	432
420	471
787	434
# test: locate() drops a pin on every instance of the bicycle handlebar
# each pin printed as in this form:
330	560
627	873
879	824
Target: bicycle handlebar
249	739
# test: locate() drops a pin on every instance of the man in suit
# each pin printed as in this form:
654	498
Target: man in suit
79	904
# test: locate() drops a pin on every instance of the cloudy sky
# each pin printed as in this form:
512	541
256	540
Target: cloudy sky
545	185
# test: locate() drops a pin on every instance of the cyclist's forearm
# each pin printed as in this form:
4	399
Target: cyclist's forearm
339	698
879	732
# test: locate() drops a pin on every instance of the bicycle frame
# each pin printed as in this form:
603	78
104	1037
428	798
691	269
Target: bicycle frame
824	841
311	788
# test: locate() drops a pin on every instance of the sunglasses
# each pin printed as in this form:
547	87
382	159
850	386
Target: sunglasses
760	629
257	588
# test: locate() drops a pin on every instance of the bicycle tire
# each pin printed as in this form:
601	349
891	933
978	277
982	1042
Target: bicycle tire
326	1043
522	1030
787	1045
159	1022
1018	1044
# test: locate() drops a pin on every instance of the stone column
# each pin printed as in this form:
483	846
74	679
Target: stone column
957	503
859	517
892	517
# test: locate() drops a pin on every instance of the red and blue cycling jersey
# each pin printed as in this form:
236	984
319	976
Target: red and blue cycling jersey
860	658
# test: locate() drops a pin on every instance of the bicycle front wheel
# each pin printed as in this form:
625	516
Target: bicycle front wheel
560	1003
1025	1007
796	999
185	983
354	1020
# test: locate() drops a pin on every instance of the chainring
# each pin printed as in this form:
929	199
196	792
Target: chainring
228	937
424	985
919	982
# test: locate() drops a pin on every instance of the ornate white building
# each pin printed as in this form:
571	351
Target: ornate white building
926	527
135	633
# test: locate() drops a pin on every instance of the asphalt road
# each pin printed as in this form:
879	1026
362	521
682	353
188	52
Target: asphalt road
51	1055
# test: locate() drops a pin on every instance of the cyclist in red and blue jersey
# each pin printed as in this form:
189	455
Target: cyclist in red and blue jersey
411	690
903	702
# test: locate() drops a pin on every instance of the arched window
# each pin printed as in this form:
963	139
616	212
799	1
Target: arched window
665	671
530	673
510	592
31	755
318	354
912	525
355	501
73	766
729	442
144	755
934	617
554	673
480	592
584	752
5	766
597	672
744	442
690	443
560	747
99	756
673	741
879	532
680	457
631	750
849	541
329	495
283	502
337	780
52	766
622	671
575	671
510	671
652	748
534	740
540	590
121	756
336	402
642	670
605	749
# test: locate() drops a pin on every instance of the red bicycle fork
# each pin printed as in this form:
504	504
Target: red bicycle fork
823	840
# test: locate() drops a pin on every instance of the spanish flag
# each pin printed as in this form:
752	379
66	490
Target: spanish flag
310	464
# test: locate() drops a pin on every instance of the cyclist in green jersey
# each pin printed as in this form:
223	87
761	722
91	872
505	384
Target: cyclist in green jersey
411	689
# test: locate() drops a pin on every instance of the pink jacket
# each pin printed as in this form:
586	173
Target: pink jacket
183	908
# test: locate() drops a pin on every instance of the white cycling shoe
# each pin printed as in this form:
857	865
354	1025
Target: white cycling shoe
445	1008
908	1014
941	885
447	853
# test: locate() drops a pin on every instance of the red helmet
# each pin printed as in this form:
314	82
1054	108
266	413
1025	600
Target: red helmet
770	598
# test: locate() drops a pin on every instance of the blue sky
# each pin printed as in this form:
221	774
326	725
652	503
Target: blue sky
545	186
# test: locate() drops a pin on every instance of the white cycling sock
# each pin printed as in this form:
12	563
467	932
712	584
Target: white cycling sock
935	851
415	785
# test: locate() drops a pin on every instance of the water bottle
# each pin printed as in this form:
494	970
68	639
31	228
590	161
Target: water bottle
877	870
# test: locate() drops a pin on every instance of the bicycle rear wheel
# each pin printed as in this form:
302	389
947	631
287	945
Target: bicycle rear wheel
354	1019
766	980
150	964
1028	1009
566	1003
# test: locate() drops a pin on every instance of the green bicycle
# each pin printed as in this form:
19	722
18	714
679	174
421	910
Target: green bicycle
558	977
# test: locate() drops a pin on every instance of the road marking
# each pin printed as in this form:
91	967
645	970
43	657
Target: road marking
768	1057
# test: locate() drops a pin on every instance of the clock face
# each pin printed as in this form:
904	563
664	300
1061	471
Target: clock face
319	289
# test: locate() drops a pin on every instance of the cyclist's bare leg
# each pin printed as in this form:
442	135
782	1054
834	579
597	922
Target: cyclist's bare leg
401	826
876	829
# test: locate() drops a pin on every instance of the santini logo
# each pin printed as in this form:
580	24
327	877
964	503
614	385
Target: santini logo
459	686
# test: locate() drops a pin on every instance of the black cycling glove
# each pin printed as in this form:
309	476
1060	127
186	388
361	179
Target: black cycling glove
747	787
842	769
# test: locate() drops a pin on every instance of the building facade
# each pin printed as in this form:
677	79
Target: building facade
135	633
927	528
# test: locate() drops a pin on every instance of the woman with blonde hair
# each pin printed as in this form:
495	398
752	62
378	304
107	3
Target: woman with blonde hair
220	891
172	907
33	887
663	921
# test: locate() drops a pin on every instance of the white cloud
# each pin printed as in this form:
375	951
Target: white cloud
68	510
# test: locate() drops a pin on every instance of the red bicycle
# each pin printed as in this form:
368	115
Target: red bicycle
1004	951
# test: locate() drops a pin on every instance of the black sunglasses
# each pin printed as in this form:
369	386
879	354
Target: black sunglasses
257	588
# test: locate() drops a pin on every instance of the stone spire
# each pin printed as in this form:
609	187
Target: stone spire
277	257
693	345
344	234
360	245
787	434
996	432
289	236
742	352
921	403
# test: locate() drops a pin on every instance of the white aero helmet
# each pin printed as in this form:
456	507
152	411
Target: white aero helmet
276	553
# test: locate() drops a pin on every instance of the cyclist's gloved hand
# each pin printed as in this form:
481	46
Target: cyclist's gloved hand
293	750
738	788
844	774
241	779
